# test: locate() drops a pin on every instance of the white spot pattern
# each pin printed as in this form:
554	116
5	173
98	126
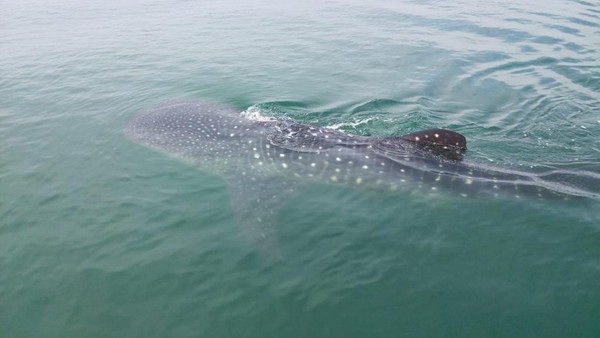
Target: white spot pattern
215	137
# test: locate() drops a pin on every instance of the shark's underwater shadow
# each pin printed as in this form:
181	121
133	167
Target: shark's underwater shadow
264	160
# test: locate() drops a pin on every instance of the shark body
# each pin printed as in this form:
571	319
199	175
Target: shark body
253	154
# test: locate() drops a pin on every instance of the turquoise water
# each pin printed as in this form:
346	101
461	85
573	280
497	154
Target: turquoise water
100	237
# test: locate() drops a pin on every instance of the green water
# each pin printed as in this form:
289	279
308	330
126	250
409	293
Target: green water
102	238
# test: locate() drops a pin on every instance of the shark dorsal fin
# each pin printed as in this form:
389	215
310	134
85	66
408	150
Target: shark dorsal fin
446	143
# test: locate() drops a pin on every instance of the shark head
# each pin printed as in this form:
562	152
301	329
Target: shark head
206	134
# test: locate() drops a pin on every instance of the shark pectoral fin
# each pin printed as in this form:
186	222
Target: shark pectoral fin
255	202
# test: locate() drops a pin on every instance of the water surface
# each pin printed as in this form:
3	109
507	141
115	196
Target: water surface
100	237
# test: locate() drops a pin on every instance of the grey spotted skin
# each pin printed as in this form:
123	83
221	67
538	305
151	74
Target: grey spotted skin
217	138
263	160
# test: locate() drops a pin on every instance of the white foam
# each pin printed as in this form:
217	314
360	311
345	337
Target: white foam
352	124
254	113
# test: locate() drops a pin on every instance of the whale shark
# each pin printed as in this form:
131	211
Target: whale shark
264	159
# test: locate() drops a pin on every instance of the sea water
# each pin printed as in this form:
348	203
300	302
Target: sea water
102	238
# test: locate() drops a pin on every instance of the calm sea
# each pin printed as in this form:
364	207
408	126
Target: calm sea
100	237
